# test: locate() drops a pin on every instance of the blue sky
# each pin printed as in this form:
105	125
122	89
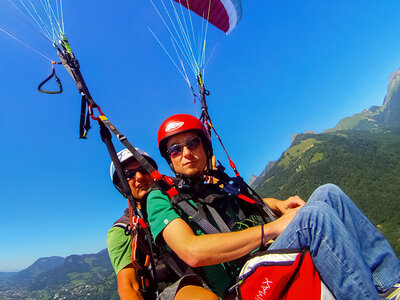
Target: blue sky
288	67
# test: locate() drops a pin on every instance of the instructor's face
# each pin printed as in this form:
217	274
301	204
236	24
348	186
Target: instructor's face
139	180
191	160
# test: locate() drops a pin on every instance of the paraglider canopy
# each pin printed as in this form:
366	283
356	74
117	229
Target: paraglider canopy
223	14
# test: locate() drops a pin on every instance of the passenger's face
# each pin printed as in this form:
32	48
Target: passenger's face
139	181
189	162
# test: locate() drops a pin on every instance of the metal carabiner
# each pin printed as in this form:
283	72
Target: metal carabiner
91	112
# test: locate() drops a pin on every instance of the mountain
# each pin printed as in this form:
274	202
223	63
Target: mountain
391	106
385	116
88	276
5	275
361	154
40	266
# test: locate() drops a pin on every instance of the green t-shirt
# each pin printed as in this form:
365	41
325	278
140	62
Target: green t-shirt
160	214
119	248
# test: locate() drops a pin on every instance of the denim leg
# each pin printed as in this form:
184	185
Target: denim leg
336	254
375	249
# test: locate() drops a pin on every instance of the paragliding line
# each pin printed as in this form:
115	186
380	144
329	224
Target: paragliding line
184	33
26	45
162	46
186	52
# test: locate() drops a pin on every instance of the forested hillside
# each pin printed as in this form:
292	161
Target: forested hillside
88	276
361	155
366	165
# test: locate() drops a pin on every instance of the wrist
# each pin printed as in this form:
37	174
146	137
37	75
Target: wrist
270	232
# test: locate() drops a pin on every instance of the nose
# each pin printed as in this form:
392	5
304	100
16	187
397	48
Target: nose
138	176
186	151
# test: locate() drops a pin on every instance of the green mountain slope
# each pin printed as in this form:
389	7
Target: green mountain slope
88	276
385	116
361	155
366	165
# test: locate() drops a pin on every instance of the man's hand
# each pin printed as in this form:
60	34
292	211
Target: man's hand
290	203
281	207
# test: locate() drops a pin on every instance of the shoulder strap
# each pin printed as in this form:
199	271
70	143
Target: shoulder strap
120	225
218	219
181	202
193	214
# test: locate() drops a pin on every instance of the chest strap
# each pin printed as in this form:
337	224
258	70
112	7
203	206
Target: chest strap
218	219
194	215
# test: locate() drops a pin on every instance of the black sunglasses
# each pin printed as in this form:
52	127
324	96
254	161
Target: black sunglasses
177	149
131	173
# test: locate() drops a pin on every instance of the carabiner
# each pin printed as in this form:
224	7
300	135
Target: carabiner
91	112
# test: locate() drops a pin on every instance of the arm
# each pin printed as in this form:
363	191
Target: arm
119	249
128	287
281	207
210	249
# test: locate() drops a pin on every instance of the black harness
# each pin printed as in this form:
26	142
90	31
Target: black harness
206	204
219	208
166	268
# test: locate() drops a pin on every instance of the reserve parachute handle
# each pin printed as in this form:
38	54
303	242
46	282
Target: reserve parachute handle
52	75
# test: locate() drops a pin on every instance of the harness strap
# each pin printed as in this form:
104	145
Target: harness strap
178	266
133	239
218	219
241	215
120	225
200	208
84	123
197	217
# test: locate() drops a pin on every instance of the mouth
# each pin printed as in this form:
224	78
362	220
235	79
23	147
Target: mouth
143	186
190	163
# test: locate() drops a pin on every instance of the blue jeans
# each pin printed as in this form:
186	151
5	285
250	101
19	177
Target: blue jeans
353	258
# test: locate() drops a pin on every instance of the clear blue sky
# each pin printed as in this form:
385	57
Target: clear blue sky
288	67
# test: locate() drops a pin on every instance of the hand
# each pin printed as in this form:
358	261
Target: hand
289	204
278	226
128	286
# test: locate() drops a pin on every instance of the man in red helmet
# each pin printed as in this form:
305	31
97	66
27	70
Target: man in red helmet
330	225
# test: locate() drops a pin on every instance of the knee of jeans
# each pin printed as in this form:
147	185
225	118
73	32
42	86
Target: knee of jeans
325	192
313	214
329	188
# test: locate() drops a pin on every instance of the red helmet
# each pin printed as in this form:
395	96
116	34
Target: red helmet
182	123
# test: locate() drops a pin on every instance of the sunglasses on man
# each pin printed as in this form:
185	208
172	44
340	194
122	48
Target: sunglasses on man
131	173
177	149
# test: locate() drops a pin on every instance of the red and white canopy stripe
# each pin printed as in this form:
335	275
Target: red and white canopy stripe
223	14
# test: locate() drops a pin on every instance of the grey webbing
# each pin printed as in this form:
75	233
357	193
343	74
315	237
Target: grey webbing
197	218
217	218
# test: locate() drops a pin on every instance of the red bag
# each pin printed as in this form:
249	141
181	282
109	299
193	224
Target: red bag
281	274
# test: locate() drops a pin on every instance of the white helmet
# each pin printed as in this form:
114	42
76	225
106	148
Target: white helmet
124	156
